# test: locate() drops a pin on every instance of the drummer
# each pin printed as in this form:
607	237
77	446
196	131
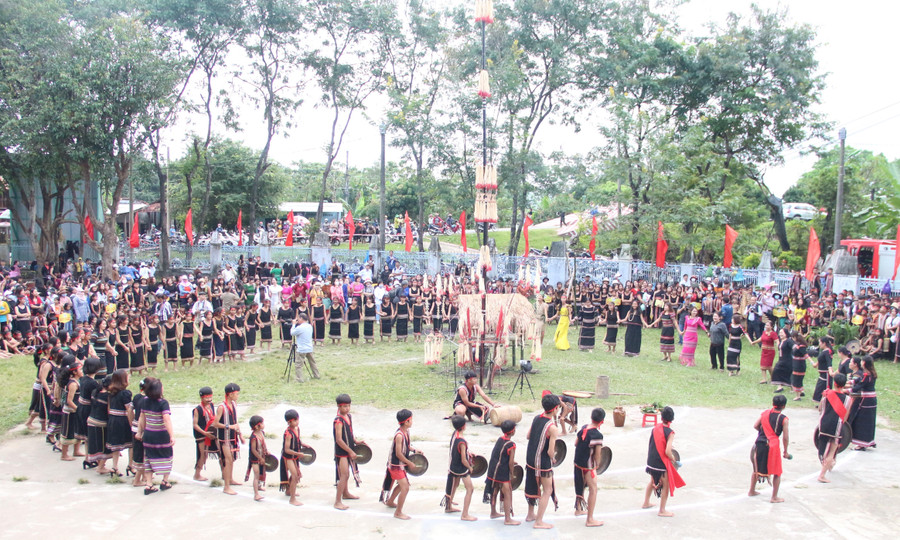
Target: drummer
567	413
460	469
833	408
766	453
344	452
588	447
500	474
464	403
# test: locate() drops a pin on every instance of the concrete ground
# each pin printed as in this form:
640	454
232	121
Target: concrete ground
860	502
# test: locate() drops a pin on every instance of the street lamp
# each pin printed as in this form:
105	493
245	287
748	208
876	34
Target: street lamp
842	136
381	222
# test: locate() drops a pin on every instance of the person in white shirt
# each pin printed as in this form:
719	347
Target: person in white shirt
228	273
201	306
302	332
366	272
274	290
144	271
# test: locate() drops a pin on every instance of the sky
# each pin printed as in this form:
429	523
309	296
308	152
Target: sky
856	46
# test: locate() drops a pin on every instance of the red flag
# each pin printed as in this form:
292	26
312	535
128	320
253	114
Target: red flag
528	223
189	227
289	239
730	237
661	247
406	225
812	255
462	225
593	245
89	227
351	226
240	229
896	254
135	240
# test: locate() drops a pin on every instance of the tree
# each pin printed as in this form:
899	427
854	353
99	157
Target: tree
347	63
416	66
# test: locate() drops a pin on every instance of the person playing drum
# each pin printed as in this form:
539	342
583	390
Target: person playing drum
464	403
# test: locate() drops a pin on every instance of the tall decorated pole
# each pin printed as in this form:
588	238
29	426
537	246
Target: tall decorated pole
485	180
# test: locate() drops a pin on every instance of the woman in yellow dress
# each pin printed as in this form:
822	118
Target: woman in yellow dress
561	338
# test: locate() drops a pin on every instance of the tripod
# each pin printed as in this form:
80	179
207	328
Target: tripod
292	357
521	380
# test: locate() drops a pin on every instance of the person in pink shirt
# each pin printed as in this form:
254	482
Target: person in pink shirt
689	335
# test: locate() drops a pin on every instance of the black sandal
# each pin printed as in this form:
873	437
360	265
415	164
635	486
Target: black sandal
149	490
165	485
86	465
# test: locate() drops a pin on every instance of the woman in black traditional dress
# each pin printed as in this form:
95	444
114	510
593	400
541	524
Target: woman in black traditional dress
137	446
386	314
354	314
318	320
123	342
265	325
118	431
666	321
239	333
69	376
87	384
186	339
206	336
136	334
418	314
153	342
102	346
335	318
781	372
587	332
437	314
823	363
612	327
96	431
218	336
627	301
453	316
170	339
252	326
733	353
157	434
402	318
634	324
370	310
285	319
798	364
865	404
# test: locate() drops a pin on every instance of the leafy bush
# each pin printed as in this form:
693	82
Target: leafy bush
788	260
751	261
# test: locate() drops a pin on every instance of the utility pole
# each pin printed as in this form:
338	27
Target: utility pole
839	210
130	213
381	221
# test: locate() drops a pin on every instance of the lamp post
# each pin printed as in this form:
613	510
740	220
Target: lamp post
381	223
839	210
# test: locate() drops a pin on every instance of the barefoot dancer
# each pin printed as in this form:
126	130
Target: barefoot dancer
460	469
290	454
661	464
500	473
256	463
204	415
766	454
228	433
833	410
464	403
344	452
588	444
540	456
396	466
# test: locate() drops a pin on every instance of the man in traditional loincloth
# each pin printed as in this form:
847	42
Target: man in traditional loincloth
766	453
833	411
464	403
588	444
661	464
540	456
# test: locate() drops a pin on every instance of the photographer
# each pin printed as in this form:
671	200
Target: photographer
302	332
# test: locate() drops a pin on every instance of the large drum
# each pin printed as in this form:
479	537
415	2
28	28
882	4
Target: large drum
509	412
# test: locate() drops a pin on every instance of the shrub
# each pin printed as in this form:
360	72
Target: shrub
751	261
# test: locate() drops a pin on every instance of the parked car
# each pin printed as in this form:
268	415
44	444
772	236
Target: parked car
804	211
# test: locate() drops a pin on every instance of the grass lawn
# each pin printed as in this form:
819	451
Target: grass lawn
392	375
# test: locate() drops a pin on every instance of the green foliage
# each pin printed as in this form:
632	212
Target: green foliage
751	261
842	332
787	260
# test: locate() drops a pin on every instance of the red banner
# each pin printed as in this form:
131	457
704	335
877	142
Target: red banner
730	237
462	226
240	229
593	245
408	228
812	255
661	247
135	240
89	227
189	227
351	226
528	223
289	239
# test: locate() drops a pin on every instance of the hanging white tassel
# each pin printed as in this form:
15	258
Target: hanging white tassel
479	177
484	84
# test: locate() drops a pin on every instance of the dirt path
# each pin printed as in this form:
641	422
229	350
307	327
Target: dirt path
715	446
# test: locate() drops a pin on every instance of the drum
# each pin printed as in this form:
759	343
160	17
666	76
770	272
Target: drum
479	466
578	393
363	453
560	452
517	476
307	455
509	412
843	440
271	463
605	460
420	465
853	346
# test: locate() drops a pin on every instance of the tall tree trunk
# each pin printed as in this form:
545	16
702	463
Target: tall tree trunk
163	176
421	204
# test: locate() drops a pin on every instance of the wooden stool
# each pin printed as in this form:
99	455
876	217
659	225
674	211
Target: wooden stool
649	418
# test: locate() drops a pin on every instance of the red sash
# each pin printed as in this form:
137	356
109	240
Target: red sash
774	462
836	403
659	439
